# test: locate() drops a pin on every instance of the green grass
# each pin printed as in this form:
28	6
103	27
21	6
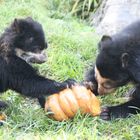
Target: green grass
79	8
72	48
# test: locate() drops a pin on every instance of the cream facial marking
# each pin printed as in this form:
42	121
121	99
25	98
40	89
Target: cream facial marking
104	84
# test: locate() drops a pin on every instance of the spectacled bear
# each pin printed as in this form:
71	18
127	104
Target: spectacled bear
22	43
117	64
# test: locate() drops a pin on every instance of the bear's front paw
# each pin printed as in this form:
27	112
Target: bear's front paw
69	83
105	113
110	113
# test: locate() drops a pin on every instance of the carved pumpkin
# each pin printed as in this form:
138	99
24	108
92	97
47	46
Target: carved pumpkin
65	104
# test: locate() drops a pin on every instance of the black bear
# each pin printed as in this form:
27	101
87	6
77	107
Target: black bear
117	64
23	43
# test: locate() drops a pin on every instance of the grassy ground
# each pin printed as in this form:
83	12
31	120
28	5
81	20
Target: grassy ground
72	48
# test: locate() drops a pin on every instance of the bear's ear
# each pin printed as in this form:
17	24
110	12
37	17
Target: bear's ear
29	19
16	25
124	60
106	38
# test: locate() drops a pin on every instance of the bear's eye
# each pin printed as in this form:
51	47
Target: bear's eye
108	85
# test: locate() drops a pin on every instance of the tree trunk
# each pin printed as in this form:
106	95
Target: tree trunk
114	15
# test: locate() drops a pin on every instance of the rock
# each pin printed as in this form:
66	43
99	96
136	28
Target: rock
113	15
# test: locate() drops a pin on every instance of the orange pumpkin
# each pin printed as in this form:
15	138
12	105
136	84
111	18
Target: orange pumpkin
2	117
65	104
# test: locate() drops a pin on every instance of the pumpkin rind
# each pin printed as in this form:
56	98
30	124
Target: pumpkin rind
95	109
53	105
82	97
68	102
2	116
